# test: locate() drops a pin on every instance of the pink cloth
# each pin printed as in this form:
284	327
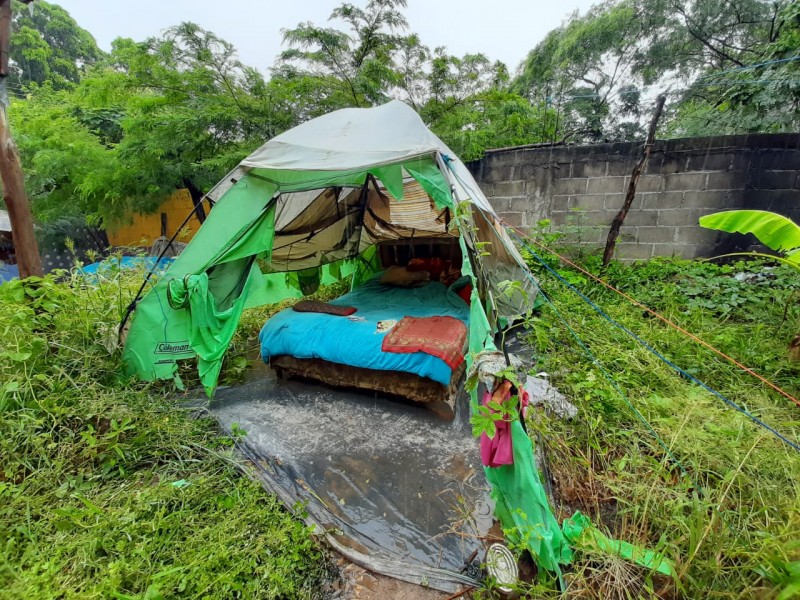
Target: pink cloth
498	451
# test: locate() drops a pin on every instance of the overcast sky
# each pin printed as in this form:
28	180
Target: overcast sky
502	29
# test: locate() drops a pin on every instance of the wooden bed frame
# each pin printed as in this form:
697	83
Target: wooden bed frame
439	398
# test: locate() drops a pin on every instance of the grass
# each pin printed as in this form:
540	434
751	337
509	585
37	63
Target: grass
731	523
112	490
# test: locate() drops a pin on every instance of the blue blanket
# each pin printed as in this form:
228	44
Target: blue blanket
357	343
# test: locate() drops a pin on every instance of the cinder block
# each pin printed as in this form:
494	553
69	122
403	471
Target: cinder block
562	168
680	217
703	199
559	203
694	235
688	251
509	188
499	204
785	202
533	172
590	202
741	160
596	217
668	250
512	218
591	168
500	172
737	199
497	169
774	159
773	180
650	183
633	251
685	181
522	204
569	186
655	235
670	164
621	166
710	161
668	200
605	185
614	202
651	200
725	180
641	218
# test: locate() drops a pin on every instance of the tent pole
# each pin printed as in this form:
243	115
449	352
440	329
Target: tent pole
152	269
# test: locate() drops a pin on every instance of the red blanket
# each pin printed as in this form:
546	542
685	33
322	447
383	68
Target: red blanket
443	337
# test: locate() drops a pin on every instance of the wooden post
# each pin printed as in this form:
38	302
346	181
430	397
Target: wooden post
29	261
616	224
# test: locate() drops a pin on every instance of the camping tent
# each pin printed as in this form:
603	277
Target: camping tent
295	205
312	205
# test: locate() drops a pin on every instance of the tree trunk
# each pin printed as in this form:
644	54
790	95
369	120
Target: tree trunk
197	199
19	211
616	224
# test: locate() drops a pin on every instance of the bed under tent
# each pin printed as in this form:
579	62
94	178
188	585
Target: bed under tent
371	198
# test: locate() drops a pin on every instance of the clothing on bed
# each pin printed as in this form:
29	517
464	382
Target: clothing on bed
316	306
443	337
358	342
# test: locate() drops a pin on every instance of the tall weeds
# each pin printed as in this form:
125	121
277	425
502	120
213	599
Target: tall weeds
109	489
731	523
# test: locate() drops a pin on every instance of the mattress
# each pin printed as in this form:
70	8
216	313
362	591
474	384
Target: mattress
356	340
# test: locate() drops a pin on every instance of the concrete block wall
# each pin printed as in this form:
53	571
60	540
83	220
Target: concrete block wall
581	188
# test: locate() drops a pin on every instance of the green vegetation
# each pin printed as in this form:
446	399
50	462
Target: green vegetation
731	524
736	65
104	135
775	231
114	490
110	490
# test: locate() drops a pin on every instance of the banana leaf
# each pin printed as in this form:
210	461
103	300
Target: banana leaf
773	230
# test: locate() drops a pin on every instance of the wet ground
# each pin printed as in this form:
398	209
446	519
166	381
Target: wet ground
396	489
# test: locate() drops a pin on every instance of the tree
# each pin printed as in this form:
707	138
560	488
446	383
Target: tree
763	96
179	110
175	111
494	118
359	61
587	68
600	67
463	99
62	157
48	46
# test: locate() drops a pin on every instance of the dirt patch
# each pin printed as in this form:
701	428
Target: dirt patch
357	583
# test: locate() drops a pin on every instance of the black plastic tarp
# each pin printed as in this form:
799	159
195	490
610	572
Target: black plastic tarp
393	487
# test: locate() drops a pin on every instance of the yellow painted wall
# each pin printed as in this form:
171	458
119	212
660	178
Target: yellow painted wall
145	229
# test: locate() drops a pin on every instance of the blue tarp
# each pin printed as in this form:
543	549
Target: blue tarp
127	262
8	272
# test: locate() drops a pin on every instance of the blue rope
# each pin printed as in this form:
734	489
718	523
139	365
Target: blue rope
655	352
612	381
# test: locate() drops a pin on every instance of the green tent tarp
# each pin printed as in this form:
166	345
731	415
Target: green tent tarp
305	208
